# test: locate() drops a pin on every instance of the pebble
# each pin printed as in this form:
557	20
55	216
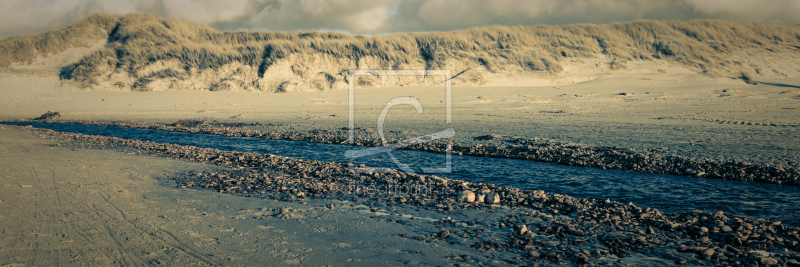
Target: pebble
704	229
768	261
493	198
522	230
466	196
534	254
708	252
727	229
444	234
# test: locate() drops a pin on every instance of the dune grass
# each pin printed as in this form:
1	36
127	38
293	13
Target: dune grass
138	40
26	48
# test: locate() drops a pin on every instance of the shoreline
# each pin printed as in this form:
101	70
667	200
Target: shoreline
541	150
623	229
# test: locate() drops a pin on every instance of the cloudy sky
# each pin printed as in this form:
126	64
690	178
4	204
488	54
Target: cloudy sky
387	16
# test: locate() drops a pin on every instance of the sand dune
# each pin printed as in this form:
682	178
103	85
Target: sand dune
662	87
142	52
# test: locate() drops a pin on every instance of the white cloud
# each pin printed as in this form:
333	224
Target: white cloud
777	11
205	11
386	16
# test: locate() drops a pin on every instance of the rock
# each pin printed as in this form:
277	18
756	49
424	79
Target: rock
701	174
708	252
776	223
522	230
769	261
703	229
650	231
582	259
727	229
492	198
466	196
480	198
719	214
444	234
533	254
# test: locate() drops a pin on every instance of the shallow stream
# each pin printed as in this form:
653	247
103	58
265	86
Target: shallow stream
665	192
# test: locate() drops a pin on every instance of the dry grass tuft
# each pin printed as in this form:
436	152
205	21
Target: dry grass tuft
746	77
49	115
539	100
26	48
732	92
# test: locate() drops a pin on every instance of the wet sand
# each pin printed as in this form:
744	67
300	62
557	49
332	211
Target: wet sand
64	205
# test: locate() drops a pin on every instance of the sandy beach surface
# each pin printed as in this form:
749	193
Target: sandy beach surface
89	207
67	205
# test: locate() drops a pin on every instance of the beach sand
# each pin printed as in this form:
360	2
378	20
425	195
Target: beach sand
75	206
86	207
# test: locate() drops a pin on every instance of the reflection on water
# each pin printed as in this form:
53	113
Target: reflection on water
664	192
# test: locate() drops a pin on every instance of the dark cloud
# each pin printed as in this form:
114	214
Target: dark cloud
386	16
